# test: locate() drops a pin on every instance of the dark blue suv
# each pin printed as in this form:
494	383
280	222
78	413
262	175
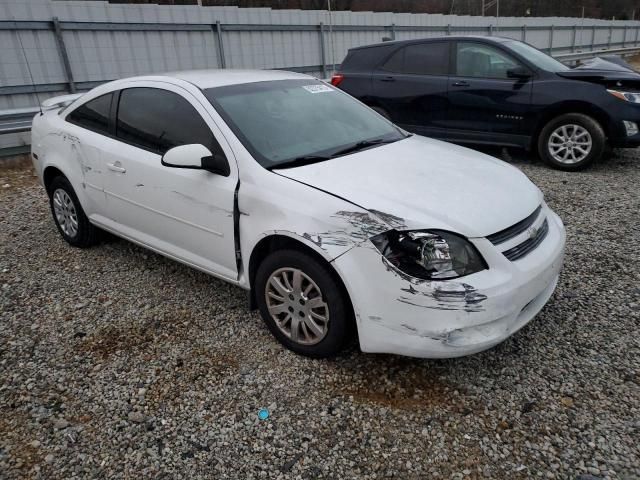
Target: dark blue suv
491	90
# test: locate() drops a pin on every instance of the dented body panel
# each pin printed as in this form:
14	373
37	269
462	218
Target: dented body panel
450	318
214	223
420	182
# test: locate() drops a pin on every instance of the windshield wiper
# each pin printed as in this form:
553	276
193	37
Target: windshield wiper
362	145
309	159
300	161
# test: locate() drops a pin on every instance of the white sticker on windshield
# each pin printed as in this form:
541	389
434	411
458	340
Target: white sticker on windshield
319	88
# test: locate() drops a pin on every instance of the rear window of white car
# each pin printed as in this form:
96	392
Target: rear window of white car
93	115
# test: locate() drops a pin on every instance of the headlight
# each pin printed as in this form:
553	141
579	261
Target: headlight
430	254
633	97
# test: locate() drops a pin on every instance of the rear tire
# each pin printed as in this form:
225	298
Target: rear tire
68	215
571	142
303	304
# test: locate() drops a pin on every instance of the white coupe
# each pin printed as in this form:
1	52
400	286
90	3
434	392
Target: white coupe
339	223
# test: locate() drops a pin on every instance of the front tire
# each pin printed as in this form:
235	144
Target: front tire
68	215
571	142
303	304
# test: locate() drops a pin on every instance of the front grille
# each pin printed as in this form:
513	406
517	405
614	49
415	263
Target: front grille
529	244
514	230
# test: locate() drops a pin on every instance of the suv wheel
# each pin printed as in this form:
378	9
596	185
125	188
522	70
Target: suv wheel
302	304
571	142
72	223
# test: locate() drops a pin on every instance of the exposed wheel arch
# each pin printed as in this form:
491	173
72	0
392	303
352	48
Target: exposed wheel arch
49	174
275	242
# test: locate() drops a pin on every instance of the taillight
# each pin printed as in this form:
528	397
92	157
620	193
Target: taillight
336	79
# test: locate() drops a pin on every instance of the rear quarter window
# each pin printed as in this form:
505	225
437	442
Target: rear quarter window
93	115
420	59
365	59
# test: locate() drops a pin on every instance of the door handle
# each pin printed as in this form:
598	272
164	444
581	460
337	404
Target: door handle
460	83
116	167
388	79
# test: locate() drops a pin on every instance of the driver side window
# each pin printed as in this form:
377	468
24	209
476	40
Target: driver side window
158	120
482	61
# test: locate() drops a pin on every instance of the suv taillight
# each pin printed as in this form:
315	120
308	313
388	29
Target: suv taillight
336	79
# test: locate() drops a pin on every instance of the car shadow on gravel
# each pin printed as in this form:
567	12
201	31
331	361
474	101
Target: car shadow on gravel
519	157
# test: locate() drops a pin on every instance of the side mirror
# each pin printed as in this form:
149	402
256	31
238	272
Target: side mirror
196	156
519	73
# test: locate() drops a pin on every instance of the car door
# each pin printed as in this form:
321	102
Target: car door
411	85
483	98
89	123
184	213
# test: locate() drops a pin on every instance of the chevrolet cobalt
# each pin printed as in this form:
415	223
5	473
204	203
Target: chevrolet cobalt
337	222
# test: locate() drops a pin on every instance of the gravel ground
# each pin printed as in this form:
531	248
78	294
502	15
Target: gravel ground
116	362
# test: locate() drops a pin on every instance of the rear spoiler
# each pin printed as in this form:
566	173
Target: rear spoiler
60	101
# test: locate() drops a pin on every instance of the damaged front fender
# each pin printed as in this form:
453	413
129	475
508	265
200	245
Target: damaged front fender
398	313
329	225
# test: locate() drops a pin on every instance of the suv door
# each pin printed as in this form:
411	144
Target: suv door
185	213
485	102
411	86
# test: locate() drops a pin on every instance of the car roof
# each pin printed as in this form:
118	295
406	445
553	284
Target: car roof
221	77
489	39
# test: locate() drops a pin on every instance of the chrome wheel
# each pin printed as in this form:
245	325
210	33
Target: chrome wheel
570	143
296	305
65	212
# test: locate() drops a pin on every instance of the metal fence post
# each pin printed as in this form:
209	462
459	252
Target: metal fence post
593	37
624	36
610	37
573	39
448	29
393	31
490	30
322	52
551	39
62	49
637	32
524	32
218	27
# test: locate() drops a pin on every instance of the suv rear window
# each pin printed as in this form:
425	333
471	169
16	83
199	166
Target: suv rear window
420	59
364	59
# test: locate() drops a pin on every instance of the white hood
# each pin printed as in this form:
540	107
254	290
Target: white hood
424	183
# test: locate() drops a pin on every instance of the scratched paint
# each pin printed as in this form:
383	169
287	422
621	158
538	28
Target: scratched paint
358	228
197	201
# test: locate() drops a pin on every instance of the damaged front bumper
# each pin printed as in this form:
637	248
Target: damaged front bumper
442	319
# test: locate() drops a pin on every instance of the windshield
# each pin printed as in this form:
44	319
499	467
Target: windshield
538	58
299	121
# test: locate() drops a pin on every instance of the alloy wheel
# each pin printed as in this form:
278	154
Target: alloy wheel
570	143
65	212
296	305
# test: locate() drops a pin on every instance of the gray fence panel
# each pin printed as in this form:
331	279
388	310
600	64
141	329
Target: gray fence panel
104	55
104	41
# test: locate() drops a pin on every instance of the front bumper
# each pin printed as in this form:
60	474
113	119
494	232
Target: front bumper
442	319
618	135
